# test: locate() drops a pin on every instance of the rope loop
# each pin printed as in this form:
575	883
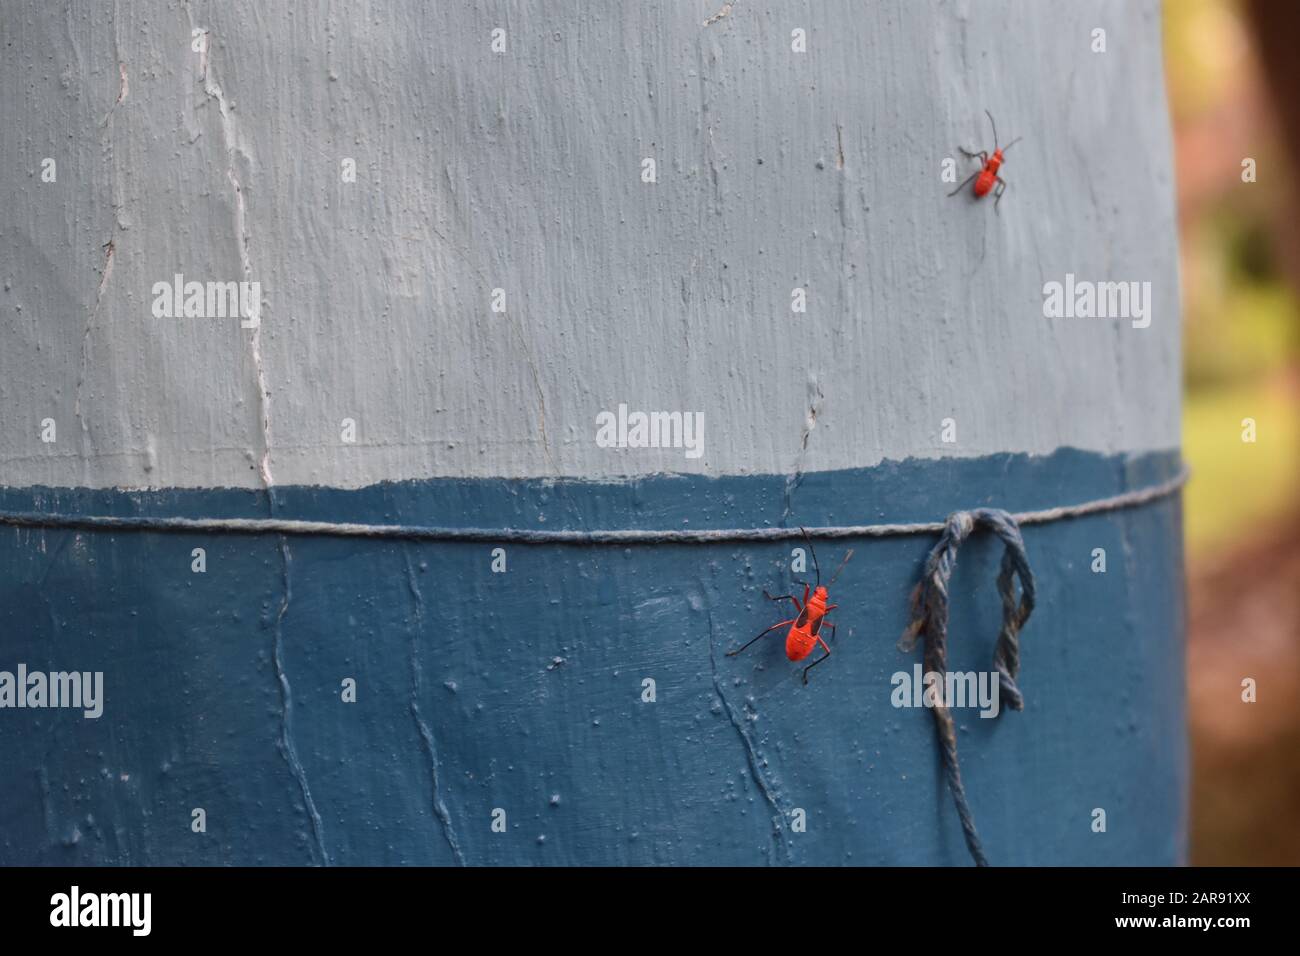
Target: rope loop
930	621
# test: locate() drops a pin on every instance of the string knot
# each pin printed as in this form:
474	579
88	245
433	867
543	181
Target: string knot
930	622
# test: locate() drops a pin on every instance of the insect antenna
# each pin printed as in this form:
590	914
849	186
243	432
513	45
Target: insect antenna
848	554
1012	143
811	551
995	130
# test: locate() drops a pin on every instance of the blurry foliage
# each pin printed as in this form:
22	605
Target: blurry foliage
1241	316
1242	360
1204	40
1238	492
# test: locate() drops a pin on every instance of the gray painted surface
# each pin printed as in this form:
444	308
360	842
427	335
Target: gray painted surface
521	171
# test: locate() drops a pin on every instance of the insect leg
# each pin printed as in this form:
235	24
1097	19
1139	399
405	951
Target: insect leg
782	597
963	185
997	193
982	155
768	631
819	660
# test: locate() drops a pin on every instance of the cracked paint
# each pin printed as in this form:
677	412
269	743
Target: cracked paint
752	759
426	732
105	274
724	11
288	748
243	238
816	399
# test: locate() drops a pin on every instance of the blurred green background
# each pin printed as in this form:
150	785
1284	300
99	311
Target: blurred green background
1234	97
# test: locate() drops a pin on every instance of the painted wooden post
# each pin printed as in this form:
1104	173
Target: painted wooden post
469	243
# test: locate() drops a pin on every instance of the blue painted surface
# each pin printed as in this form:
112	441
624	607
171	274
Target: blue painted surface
522	690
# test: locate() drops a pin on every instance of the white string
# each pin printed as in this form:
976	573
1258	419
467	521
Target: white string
36	519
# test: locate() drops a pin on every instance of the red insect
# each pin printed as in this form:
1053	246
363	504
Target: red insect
986	176
805	633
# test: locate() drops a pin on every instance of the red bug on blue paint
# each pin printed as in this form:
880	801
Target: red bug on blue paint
987	175
805	632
